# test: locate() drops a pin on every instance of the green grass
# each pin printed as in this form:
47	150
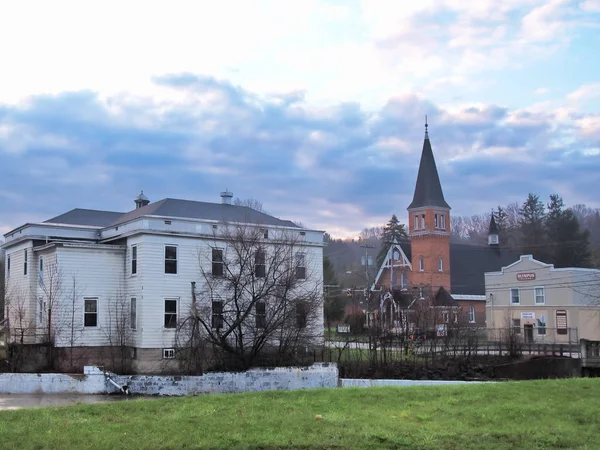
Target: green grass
517	415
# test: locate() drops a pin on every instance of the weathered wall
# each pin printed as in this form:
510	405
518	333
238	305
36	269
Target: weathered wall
94	382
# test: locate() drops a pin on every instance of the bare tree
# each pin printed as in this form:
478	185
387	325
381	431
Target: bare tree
256	298
119	333
51	289
74	309
250	203
20	328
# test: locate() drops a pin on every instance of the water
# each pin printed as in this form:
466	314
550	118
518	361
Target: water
18	401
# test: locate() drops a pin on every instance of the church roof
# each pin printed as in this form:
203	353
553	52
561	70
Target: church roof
428	190
469	263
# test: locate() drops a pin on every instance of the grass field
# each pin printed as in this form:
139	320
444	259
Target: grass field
518	415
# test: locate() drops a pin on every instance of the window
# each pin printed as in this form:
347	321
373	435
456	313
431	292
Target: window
170	313
421	264
443	221
8	266
403	279
133	314
440	265
515	298
168	353
561	322
41	271
416	222
445	317
25	263
541	325
436	221
170	259
265	234
259	263
301	314
516	323
422	220
471	314
217	262
300	266
134	260
90	312
261	316
540	296
217	315
41	310
421	293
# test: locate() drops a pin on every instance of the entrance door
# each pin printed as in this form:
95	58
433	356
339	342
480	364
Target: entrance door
528	330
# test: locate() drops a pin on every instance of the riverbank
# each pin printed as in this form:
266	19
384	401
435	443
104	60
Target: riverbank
530	414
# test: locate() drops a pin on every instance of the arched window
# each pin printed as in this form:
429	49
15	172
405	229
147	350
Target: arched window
441	265
421	264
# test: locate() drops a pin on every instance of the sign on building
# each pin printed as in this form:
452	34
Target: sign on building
528	315
526	276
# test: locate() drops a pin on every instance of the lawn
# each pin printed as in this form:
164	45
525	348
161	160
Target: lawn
530	415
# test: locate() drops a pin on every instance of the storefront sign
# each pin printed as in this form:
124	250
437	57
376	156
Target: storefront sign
526	276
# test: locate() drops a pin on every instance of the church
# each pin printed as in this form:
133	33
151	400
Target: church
429	266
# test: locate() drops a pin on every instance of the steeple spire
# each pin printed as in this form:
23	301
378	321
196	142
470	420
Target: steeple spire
428	190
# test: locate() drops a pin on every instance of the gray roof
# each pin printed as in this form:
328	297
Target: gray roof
468	264
86	217
428	190
189	209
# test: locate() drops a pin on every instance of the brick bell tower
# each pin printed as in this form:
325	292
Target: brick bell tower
429	226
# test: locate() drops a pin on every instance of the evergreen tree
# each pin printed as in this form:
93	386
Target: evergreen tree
531	223
502	224
568	245
393	231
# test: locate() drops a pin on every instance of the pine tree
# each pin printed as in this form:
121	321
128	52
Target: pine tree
568	245
393	231
531	223
502	224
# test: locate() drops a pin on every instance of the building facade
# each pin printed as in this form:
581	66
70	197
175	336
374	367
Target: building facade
70	278
543	303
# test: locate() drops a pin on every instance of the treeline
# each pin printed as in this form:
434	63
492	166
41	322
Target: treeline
551	232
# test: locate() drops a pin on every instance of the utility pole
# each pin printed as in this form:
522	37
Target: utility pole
366	264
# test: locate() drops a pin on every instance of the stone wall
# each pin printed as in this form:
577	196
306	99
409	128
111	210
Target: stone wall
94	381
361	382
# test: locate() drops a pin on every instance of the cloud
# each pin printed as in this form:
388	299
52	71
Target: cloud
336	167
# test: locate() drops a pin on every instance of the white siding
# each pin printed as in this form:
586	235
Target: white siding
97	273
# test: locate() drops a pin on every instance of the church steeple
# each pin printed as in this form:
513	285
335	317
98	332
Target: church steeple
429	225
428	190
493	239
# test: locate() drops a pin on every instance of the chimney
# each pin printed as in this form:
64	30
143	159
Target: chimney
141	200
226	197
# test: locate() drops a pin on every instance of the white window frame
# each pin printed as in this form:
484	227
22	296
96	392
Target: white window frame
168	353
511	296
97	312
436	223
421	296
300	264
471	314
25	262
542	330
172	299
171	259
535	295
416	220
213	261
443	221
258	263
422	221
421	264
133	313
441	264
8	266
134	259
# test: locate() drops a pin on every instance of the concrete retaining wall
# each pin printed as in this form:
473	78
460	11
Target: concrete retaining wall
93	381
360	382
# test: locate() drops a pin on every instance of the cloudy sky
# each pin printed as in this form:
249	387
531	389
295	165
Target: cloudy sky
315	108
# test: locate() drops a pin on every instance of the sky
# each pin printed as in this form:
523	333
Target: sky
315	107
